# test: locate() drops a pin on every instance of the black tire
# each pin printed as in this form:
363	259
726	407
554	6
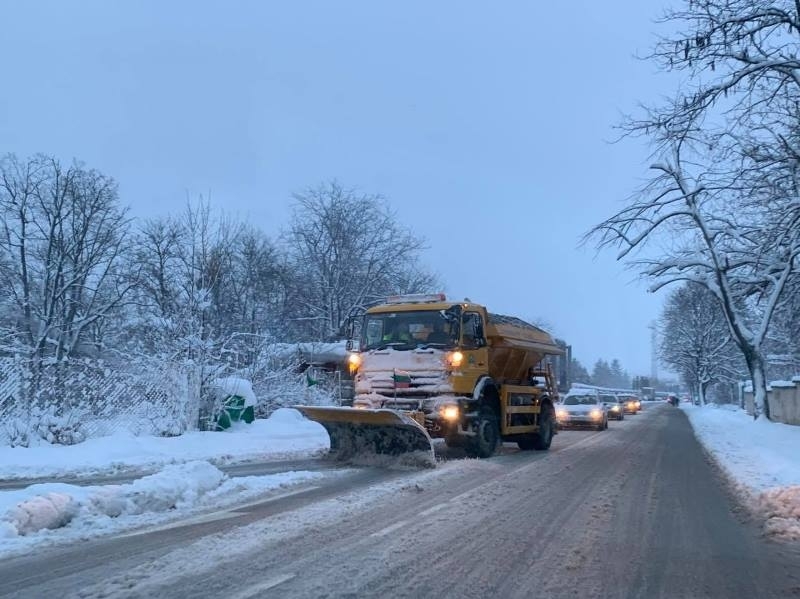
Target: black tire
487	436
543	439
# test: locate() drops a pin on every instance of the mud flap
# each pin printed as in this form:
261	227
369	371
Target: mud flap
359	434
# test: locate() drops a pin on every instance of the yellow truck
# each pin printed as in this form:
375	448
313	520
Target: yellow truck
425	368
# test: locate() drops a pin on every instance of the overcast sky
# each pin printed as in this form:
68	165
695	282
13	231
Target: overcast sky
485	125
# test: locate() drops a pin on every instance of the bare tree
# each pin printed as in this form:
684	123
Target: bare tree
63	235
695	340
723	205
347	249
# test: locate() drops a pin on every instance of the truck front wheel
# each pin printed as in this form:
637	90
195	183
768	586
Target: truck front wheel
487	435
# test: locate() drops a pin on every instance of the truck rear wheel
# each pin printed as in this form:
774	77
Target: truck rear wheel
487	436
544	438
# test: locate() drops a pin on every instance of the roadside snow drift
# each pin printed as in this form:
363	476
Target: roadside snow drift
761	457
285	434
94	510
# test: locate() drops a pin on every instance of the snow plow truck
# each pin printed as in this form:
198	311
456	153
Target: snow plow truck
428	368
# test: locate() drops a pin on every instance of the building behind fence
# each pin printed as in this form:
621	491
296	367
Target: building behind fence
783	398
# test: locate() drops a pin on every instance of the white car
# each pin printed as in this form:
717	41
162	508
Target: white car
582	409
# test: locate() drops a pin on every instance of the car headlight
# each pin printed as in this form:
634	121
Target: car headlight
450	412
615	408
595	414
562	414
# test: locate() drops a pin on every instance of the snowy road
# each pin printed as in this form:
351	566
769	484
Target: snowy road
635	511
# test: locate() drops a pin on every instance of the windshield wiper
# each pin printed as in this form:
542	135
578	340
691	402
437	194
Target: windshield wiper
392	344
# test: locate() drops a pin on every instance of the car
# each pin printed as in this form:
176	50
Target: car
614	406
631	404
582	408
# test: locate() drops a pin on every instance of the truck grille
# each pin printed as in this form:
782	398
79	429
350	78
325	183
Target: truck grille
420	384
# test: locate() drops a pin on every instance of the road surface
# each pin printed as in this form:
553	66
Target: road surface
635	511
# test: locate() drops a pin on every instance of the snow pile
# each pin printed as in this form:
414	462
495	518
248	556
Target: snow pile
761	457
51	510
93	510
781	506
285	434
235	386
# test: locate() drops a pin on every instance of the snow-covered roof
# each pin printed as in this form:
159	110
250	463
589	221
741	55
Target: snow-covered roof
312	352
783	384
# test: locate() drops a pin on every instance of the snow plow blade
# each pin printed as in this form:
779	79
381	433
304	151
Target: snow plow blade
359	434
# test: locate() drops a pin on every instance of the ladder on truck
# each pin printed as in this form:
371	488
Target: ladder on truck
520	401
545	371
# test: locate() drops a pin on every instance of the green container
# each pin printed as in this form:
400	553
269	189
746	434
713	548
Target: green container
234	410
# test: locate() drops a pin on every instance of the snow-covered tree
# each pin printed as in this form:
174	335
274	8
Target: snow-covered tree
601	374
578	372
722	209
695	339
347	249
783	338
619	378
63	234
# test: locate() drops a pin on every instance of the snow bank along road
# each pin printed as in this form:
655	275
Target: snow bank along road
635	511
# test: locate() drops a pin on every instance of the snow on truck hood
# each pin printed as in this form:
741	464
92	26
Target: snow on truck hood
411	360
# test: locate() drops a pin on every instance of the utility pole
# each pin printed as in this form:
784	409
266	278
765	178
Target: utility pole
653	352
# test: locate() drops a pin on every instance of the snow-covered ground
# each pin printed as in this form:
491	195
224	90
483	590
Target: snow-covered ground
50	513
761	457
285	434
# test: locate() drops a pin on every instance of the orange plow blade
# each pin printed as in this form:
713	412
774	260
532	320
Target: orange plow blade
359	434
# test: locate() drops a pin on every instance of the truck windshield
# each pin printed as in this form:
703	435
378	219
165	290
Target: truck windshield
407	330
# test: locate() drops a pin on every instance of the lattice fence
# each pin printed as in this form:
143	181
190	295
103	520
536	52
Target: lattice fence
67	403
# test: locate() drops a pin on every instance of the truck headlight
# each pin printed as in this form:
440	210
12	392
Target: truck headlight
353	362
450	412
455	358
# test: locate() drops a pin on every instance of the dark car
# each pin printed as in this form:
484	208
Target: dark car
631	404
614	406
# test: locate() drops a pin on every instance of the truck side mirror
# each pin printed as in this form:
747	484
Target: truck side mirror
453	313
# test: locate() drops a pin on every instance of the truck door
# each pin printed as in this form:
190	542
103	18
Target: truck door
473	343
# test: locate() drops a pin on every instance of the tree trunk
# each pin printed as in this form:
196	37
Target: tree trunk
702	392
755	364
